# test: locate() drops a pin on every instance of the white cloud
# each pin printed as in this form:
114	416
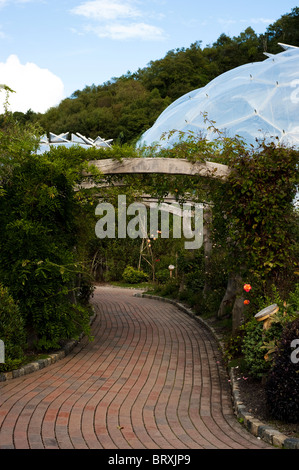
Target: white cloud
226	22
131	31
106	10
7	2
35	88
114	19
266	21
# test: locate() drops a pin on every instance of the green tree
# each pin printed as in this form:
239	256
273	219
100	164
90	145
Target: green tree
285	30
40	262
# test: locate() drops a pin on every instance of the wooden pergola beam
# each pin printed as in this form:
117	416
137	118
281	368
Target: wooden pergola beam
167	166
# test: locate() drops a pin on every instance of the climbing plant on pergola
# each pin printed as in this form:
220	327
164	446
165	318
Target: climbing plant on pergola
251	190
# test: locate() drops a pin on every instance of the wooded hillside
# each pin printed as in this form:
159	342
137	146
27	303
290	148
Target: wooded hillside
123	108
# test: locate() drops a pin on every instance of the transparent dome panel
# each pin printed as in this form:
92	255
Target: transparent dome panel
254	100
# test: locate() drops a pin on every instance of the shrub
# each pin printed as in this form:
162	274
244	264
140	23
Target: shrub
259	343
134	276
253	346
283	381
169	289
12	331
162	276
191	266
293	302
233	346
41	259
207	304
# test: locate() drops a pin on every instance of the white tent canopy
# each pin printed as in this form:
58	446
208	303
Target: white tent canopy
76	139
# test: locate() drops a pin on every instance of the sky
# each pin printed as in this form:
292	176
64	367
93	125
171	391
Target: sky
51	48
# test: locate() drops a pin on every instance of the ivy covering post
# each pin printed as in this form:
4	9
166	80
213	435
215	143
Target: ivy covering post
261	220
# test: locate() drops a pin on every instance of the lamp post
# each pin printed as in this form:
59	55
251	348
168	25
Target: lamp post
266	314
171	268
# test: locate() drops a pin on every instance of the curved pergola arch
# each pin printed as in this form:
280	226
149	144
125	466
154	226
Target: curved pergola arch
167	166
175	166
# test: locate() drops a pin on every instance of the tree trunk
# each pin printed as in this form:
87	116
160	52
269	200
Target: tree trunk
238	312
233	301
229	298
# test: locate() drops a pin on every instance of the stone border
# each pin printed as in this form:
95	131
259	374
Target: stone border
41	363
254	426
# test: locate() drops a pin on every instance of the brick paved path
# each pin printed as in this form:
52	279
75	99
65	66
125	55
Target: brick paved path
151	379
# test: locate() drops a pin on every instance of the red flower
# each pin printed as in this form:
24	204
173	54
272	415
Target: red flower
247	287
246	302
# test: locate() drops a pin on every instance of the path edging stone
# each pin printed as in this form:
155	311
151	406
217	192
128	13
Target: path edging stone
259	429
41	363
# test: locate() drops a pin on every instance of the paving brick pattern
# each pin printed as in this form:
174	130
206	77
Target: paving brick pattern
151	379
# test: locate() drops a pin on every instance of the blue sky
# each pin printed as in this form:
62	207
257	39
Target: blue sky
50	48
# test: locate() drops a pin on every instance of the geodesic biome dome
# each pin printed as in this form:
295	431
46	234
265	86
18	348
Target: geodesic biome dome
255	101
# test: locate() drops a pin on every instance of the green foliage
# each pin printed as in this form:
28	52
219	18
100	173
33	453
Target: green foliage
254	226
254	220
192	269
285	30
259	208
40	258
120	110
113	257
134	276
292	306
283	379
229	53
252	347
234	344
168	289
12	330
253	230
162	275
46	251
259	346
110	256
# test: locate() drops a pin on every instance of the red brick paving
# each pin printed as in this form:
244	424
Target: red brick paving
151	379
